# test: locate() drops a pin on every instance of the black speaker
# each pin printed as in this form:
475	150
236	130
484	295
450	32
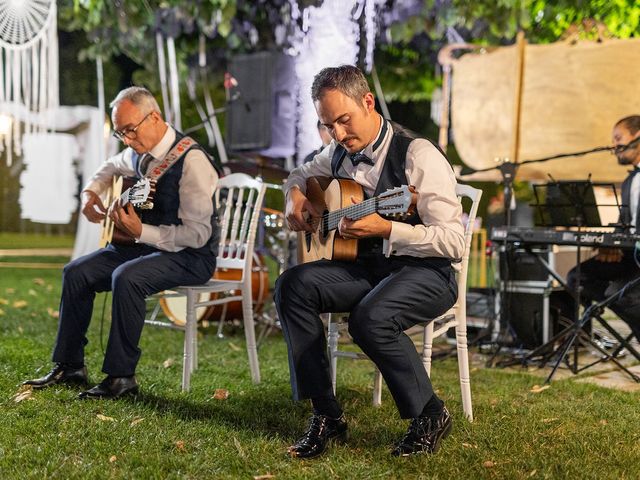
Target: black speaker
248	119
261	113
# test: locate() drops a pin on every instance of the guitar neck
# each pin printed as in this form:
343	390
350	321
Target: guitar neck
331	220
124	198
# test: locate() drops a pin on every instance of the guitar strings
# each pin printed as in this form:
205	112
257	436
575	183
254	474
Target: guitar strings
331	219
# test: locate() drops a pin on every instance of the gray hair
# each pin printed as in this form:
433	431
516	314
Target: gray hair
140	97
347	79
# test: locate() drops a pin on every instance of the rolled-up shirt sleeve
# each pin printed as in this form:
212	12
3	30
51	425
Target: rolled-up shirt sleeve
442	232
197	184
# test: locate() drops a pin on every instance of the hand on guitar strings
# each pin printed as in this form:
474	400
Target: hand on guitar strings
298	210
372	225
126	218
92	207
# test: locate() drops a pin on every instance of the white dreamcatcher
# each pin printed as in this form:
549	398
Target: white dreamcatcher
28	68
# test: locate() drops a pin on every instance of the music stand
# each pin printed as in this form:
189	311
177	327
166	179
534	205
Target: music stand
573	204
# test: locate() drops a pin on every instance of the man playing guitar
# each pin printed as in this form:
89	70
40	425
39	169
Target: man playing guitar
402	273
174	243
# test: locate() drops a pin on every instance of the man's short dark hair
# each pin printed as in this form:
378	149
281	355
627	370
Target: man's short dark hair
347	79
631	123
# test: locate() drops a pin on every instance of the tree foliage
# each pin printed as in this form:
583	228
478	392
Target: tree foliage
410	33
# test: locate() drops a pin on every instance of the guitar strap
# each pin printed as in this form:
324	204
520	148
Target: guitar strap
170	158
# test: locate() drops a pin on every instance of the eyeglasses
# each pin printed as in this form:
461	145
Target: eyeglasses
130	133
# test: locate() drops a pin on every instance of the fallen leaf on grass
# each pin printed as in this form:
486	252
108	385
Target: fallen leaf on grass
488	464
136	421
25	392
549	420
1	312
263	477
32	292
10	291
53	312
112	458
49	287
220	394
104	418
532	473
469	445
20	304
168	362
538	388
180	445
4	301
603	422
38	281
239	447
234	347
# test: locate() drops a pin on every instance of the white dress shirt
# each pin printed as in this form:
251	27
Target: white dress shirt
442	233
196	187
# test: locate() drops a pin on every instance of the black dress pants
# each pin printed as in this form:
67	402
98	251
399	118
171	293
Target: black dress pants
132	273
598	280
384	296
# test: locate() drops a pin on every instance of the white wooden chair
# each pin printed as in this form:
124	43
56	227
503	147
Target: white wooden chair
456	318
239	199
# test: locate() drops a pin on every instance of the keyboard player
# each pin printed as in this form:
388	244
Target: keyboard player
612	268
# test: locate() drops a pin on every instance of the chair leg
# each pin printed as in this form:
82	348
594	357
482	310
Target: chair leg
250	335
377	388
427	348
332	329
187	361
463	368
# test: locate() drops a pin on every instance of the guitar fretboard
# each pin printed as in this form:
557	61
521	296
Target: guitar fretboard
331	220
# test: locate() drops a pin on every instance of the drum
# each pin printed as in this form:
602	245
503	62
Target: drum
175	308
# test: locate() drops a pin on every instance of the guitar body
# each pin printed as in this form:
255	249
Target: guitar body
111	233
328	195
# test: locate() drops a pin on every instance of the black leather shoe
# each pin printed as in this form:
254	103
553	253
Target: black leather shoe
321	430
61	374
424	435
111	388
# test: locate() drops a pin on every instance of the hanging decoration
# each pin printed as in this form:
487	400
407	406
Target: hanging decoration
28	67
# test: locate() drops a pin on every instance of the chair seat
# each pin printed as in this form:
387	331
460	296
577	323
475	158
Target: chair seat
211	286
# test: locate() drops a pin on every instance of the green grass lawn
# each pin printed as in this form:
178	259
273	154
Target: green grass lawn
570	430
31	240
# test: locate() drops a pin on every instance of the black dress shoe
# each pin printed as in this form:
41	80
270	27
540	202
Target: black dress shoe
61	374
321	430
111	388
424	435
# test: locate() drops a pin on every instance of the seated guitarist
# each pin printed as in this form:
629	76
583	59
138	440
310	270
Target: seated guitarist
175	243
402	275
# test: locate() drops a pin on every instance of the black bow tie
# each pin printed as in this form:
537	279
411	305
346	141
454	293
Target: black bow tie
357	158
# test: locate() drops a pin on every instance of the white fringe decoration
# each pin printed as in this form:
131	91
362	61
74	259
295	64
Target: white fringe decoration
28	67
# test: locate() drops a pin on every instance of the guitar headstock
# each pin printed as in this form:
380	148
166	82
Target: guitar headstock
141	194
396	201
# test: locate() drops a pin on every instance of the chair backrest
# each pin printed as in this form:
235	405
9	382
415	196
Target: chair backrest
239	200
474	194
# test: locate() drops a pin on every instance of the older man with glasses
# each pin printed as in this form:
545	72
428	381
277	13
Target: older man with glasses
174	243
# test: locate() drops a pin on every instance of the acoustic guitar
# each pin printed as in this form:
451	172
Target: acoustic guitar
139	192
332	197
